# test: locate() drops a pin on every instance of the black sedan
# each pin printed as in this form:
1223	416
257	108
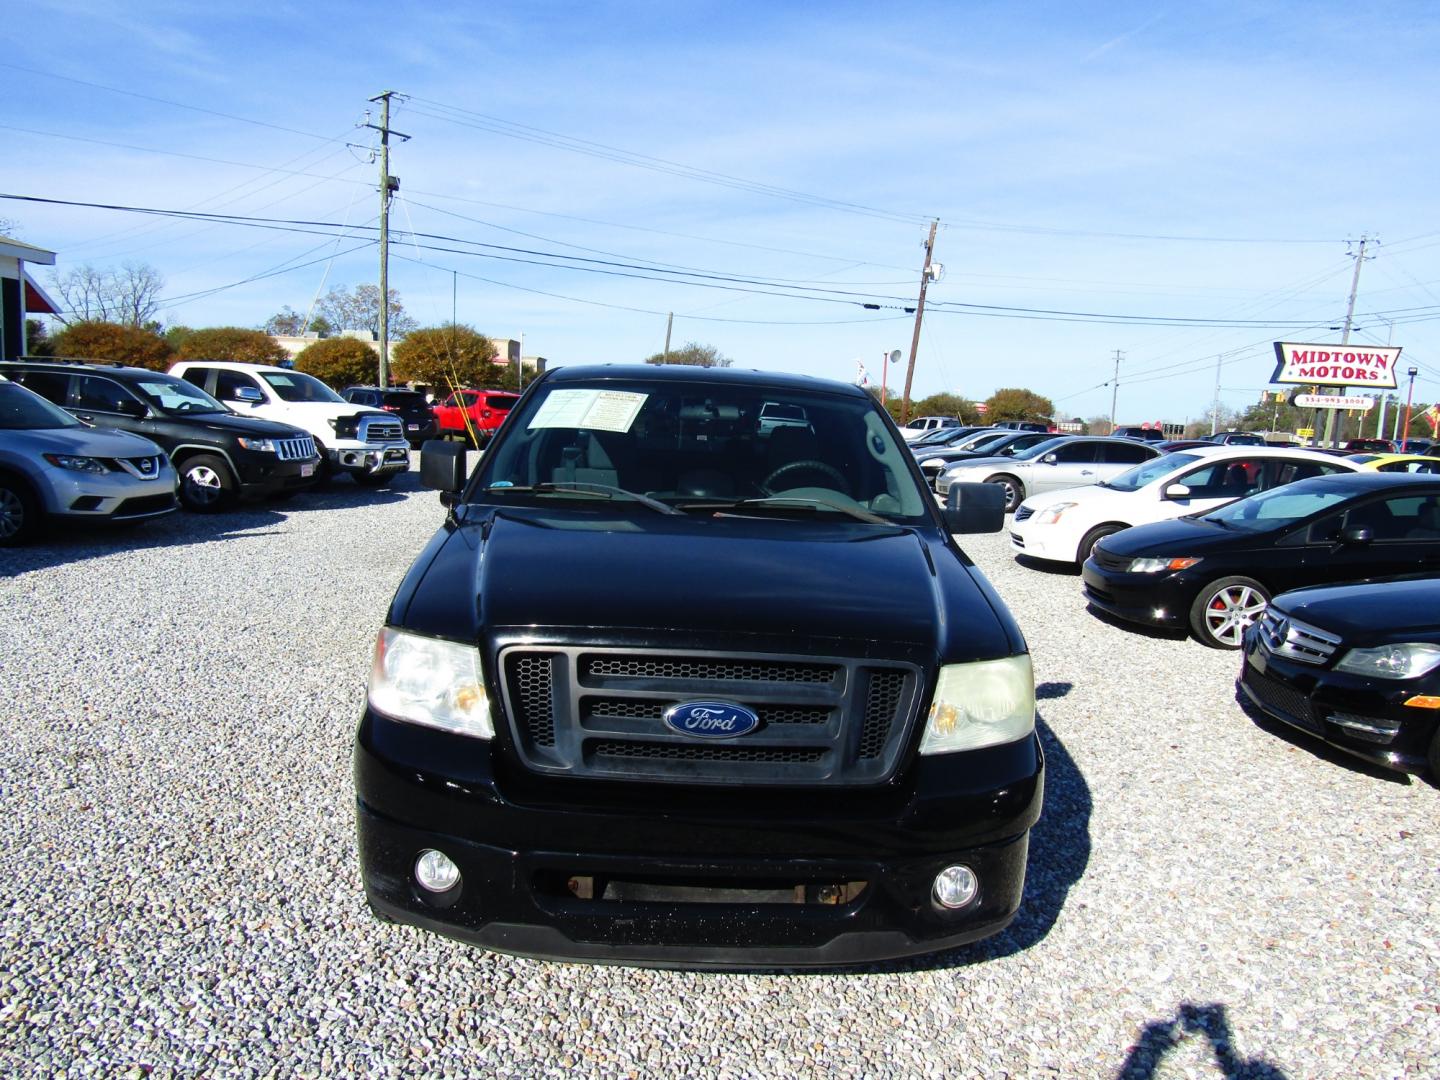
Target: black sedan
1357	665
1214	573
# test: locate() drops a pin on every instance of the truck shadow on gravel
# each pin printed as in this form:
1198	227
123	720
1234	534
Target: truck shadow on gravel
73	544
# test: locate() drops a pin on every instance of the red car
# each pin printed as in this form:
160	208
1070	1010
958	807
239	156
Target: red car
485	409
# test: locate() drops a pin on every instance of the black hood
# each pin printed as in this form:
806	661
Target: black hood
1397	609
231	424
702	577
1181	536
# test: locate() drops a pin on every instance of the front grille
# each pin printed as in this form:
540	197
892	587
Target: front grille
1024	513
599	714
298	449
1116	564
1277	696
1284	636
380	429
145	468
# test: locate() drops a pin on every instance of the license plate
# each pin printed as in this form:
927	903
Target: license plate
308	469
413	427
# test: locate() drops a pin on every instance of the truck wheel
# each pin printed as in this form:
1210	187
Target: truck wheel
19	512
1224	609
206	484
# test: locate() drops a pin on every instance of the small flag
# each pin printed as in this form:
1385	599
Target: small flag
862	377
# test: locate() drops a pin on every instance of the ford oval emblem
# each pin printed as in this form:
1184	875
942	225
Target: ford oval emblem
711	719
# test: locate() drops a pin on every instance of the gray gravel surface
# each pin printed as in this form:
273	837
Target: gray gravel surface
179	893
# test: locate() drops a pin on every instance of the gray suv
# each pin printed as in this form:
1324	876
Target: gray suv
52	467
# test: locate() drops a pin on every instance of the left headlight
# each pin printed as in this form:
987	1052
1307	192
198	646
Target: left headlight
431	682
1409	660
77	464
985	703
1051	514
264	445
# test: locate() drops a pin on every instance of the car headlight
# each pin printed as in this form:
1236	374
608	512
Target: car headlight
1160	565
77	464
984	703
1406	661
1051	514
431	682
933	463
265	445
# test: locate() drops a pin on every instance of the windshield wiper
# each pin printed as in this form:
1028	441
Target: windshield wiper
785	503
581	487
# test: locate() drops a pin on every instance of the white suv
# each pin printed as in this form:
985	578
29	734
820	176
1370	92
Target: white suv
369	444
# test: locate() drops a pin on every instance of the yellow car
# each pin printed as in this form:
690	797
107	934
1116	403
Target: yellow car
1406	463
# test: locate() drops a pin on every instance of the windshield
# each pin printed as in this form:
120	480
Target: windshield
297	386
177	396
1149	471
1276	508
705	448
24	410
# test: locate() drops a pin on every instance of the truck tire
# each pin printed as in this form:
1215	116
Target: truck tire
19	512
206	484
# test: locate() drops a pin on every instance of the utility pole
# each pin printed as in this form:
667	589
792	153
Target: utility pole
1115	389
1330	437
388	186
1215	405
919	314
669	320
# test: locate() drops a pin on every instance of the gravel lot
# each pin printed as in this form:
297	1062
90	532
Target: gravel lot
179	893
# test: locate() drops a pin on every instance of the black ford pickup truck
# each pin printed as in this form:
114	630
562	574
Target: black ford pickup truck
675	687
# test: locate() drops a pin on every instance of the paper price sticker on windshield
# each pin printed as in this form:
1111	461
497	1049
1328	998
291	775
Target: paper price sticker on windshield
593	410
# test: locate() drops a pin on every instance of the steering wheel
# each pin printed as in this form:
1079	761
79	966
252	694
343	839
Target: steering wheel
809	465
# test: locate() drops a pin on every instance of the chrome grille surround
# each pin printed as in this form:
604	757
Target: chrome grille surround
1281	635
380	429
596	713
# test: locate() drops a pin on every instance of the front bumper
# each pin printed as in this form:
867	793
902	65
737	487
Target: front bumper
1042	542
78	496
1160	600
667	875
266	474
1347	711
377	459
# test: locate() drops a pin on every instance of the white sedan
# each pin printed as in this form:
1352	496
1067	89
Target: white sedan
1064	526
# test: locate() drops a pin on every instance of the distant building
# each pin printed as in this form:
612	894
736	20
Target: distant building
20	294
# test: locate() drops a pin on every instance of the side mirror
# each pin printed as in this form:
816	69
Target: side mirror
132	409
1356	534
975	508
443	468
250	395
1177	491
1051	459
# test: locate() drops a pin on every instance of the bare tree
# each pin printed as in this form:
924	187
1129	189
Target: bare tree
129	295
359	309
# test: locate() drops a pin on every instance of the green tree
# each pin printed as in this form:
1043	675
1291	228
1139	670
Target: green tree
946	405
290	323
446	357
234	343
113	342
694	354
340	362
1018	404
37	336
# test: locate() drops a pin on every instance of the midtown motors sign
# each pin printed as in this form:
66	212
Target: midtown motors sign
1371	366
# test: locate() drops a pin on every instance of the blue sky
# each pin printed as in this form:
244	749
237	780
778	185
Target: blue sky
1184	162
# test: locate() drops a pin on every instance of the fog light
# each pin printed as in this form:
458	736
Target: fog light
956	886
435	871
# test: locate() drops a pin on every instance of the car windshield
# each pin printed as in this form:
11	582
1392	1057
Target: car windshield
703	448
297	386
1276	508
24	410
176	396
1148	472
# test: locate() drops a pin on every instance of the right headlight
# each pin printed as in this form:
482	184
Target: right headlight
1161	564
1408	660
427	681
984	703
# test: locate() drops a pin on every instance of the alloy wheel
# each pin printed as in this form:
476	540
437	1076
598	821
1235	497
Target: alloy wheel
1231	610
